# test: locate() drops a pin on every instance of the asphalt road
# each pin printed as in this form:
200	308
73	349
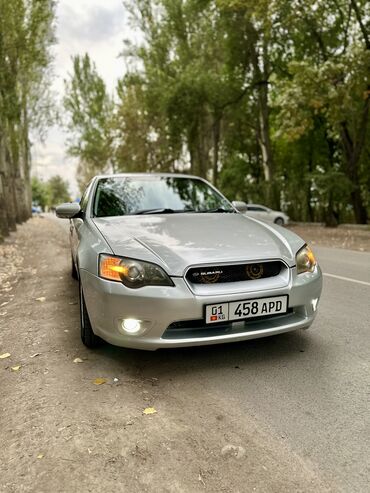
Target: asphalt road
288	413
317	398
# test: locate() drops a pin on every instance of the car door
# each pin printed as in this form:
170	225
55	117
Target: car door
254	211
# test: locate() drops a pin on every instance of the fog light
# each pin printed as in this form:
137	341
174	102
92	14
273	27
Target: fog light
315	303
131	325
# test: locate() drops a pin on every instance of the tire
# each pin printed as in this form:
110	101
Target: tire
279	221
88	337
74	272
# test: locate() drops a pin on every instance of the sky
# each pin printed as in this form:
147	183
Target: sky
98	28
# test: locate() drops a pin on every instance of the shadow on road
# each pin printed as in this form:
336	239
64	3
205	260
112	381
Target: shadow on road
277	351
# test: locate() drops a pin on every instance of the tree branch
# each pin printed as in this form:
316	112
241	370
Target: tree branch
361	24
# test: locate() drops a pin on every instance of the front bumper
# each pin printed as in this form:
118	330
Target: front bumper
162	308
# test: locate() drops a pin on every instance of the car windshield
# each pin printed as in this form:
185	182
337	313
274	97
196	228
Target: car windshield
119	196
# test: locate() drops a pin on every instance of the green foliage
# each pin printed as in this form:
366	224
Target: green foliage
26	36
90	112
40	193
50	193
57	191
269	99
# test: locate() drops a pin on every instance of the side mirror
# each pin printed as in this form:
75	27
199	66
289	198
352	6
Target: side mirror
67	211
240	206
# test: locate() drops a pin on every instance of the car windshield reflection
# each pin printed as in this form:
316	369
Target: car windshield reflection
121	196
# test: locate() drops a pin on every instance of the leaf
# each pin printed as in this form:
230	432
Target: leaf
149	410
40	456
99	381
41	299
5	355
15	368
34	355
77	360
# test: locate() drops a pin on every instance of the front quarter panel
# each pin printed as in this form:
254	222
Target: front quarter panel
91	244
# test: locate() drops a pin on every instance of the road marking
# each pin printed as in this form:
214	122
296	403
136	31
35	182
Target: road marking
347	279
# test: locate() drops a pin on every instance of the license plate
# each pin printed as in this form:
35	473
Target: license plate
241	310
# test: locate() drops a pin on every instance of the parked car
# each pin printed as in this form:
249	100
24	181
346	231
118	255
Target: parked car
266	214
165	260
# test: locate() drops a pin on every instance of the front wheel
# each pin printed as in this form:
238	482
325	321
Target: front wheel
88	337
279	221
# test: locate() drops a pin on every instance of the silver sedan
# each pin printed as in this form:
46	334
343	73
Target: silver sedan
165	260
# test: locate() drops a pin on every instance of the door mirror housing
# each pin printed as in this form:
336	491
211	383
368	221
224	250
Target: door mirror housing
240	206
68	210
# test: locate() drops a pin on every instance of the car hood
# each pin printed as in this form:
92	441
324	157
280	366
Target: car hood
180	240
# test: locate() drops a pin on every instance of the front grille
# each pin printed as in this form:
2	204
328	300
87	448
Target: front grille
234	273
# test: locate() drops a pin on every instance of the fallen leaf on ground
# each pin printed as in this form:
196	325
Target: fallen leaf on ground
34	355
15	368
3	313
149	410
99	381
42	299
5	355
77	360
40	456
233	451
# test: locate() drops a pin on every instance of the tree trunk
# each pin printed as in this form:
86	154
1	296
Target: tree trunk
4	227
309	183
216	148
261	76
352	152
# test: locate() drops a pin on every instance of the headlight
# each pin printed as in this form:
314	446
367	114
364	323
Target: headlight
305	260
132	273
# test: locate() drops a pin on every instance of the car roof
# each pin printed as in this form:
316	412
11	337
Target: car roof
133	174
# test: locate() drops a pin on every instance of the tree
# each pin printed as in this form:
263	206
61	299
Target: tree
57	190
26	34
329	79
40	194
89	111
268	99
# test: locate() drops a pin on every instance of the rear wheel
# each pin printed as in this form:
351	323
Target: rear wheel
279	221
87	334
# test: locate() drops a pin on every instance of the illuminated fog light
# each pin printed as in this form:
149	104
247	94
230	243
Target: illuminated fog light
131	325
315	302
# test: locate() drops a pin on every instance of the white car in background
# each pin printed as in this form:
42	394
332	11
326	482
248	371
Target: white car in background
266	214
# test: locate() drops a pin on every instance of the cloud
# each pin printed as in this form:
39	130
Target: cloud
83	26
94	23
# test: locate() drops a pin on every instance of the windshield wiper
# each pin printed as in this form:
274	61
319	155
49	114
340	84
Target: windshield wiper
160	211
219	209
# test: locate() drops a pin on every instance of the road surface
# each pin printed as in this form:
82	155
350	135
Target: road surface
288	413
